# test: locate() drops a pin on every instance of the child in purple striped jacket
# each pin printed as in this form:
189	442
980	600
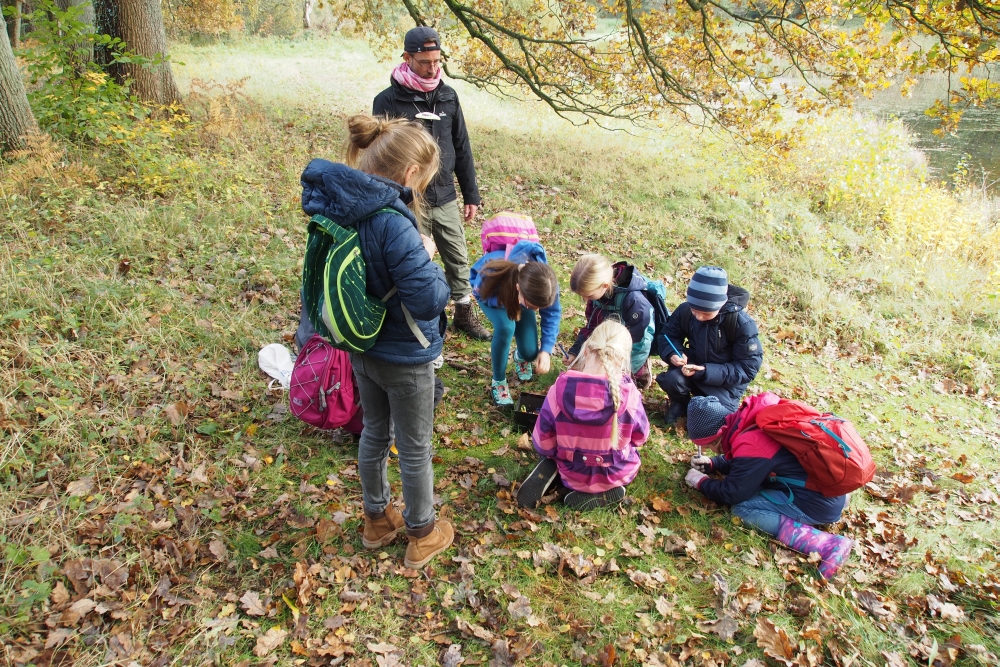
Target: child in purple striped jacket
590	427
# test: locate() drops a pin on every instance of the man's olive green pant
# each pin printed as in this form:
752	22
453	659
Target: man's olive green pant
444	225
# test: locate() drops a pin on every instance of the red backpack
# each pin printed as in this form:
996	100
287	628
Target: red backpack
323	391
836	459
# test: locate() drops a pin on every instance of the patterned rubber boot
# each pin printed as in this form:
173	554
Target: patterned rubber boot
833	549
522	368
501	393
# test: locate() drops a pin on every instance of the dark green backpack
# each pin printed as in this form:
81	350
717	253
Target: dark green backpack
335	291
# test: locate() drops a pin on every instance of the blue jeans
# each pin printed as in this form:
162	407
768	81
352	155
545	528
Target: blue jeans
760	511
524	332
401	395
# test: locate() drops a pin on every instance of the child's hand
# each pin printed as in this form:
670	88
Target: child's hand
429	245
678	361
694	477
688	370
701	463
569	360
543	362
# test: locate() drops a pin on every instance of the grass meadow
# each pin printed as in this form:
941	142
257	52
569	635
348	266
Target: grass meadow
159	506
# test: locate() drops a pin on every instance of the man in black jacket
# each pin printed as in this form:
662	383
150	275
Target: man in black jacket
418	93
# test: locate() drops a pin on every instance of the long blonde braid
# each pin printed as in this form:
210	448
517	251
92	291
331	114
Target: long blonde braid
611	344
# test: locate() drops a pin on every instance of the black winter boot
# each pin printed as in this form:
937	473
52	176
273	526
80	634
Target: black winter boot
465	320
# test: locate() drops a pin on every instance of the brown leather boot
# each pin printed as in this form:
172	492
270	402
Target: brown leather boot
466	320
427	542
381	529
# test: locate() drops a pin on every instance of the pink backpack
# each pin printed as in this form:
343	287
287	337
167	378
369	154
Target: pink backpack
323	392
505	229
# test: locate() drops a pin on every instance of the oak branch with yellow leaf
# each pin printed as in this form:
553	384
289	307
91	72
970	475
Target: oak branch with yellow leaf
738	64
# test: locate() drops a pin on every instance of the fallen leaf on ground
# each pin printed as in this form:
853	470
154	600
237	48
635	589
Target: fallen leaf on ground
218	549
60	595
870	602
382	647
198	475
473	630
521	609
176	412
894	659
80	487
58	637
252	604
774	641
269	641
77	611
452	656
725	627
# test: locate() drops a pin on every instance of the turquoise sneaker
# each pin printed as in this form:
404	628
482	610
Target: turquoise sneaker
501	393
522	368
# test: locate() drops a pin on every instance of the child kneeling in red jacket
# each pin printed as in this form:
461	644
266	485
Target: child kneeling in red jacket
749	460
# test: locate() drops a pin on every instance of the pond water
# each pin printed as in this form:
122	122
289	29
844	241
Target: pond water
976	141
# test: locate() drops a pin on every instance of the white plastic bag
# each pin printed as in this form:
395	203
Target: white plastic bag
276	360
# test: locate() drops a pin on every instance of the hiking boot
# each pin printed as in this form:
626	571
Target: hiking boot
522	368
675	412
426	542
501	394
579	500
381	528
537	484
643	377
465	320
833	549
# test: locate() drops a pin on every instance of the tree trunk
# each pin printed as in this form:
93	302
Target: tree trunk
87	17
140	24
16	119
307	8
14	25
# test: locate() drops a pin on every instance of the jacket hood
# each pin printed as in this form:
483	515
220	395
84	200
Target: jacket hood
346	195
586	399
629	280
525	251
738	296
740	420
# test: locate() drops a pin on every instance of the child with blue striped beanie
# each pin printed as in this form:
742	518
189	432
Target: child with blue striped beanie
711	344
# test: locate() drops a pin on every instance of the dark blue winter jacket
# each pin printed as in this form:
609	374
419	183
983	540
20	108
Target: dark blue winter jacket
634	311
393	251
730	365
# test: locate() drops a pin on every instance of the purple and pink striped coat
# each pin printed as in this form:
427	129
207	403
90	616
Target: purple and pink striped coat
574	428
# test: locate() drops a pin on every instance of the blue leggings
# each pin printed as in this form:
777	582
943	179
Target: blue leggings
760	511
524	332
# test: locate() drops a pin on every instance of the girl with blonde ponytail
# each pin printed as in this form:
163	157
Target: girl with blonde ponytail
590	426
389	163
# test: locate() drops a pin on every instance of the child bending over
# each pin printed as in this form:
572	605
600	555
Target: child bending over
590	427
614	292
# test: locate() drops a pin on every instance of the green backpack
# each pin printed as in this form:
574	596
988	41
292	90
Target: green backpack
335	291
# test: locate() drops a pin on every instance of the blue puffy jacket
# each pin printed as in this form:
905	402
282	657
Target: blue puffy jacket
523	251
730	365
393	251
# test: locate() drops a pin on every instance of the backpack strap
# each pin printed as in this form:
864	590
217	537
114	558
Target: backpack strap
410	322
730	324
